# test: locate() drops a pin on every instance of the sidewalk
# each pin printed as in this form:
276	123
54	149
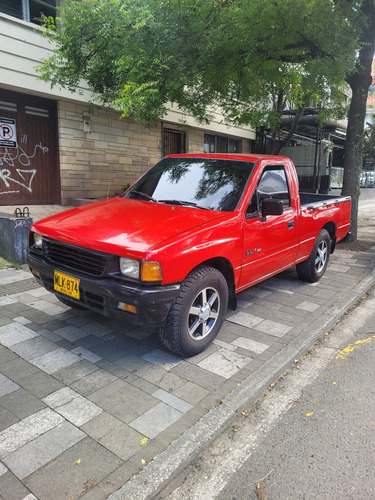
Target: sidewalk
90	408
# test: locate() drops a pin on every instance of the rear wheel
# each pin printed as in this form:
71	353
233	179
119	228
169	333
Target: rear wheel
197	313
314	267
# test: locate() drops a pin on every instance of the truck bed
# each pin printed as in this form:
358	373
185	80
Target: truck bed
314	200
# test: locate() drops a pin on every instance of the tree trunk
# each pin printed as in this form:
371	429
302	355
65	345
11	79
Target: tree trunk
359	82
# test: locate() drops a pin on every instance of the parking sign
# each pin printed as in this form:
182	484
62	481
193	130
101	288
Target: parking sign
8	135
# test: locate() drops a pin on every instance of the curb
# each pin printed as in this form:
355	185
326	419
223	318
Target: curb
179	454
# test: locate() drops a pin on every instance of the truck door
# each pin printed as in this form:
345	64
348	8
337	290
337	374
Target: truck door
269	245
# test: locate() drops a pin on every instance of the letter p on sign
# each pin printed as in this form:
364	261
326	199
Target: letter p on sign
8	135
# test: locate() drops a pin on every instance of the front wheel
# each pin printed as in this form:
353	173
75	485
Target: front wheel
314	267
198	312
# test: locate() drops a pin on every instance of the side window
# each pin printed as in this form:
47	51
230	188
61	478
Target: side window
272	184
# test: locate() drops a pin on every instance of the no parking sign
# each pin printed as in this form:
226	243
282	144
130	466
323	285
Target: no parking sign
8	136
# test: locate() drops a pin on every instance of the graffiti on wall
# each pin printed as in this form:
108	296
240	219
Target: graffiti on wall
15	168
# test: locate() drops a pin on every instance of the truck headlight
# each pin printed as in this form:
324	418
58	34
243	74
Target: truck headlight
145	270
129	267
38	240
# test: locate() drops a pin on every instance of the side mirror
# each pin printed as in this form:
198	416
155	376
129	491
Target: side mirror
271	206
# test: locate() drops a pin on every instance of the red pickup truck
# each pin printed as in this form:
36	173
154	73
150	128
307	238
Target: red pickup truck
173	251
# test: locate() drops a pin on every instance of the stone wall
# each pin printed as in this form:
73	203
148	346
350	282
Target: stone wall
99	162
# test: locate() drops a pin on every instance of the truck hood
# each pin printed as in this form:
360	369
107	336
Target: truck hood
122	226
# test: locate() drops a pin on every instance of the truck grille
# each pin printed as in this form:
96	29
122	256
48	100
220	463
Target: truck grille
65	256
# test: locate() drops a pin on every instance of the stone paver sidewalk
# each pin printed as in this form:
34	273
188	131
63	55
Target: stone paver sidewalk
86	402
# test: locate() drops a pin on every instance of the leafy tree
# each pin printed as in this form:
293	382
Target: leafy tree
363	21
144	54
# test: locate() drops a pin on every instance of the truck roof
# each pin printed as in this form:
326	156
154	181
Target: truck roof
230	156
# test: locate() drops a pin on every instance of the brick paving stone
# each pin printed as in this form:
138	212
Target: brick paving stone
148	387
172	400
14	333
192	393
65	479
21	403
147	453
123	441
33	348
5	300
224	363
155	420
3	469
112	482
245	319
17	369
26	460
7	419
79	411
96	329
308	306
250	345
199	376
28	429
125	403
129	362
55	360
162	358
45	306
12	488
273	328
22	320
7	386
40	384
225	345
101	425
86	354
152	373
93	382
71	333
74	372
170	382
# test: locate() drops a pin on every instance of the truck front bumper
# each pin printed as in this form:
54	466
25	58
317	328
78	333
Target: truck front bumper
108	295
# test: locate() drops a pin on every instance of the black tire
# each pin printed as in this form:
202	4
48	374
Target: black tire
70	303
198	312
314	267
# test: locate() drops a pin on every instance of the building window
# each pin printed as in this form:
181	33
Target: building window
220	144
29	10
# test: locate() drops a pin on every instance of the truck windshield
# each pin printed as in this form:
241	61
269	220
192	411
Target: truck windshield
208	183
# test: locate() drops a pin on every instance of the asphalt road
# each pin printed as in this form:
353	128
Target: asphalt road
311	437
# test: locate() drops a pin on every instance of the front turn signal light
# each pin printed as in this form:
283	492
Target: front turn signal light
151	271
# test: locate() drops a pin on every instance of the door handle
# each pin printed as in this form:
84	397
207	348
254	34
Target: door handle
290	224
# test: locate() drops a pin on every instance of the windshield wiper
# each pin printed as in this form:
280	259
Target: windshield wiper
184	203
144	195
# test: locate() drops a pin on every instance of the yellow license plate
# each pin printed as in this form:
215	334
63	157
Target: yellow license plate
66	284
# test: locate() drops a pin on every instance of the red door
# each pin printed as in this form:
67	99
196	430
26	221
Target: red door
29	169
270	245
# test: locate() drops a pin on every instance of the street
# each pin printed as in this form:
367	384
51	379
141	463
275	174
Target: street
312	436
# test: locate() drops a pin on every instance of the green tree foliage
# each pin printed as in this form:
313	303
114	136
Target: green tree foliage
239	55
